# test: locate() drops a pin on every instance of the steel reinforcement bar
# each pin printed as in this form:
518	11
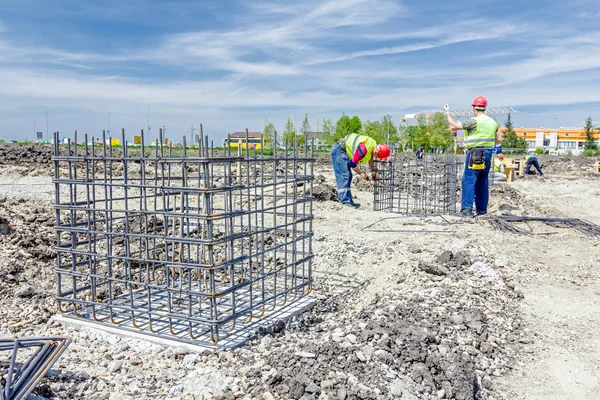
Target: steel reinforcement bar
181	243
417	186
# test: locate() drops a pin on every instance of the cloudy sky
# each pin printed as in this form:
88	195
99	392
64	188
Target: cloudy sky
230	64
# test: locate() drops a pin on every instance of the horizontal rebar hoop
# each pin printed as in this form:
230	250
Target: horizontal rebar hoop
412	186
181	245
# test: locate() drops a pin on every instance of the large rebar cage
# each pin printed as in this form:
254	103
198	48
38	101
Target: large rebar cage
180	243
417	186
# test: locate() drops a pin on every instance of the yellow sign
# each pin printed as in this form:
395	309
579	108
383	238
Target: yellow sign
137	140
115	142
166	141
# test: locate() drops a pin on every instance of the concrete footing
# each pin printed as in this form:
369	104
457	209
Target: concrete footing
238	338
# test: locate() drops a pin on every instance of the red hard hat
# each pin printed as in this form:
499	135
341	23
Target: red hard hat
479	101
384	151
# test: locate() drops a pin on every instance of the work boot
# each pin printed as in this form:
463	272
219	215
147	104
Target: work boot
467	213
352	205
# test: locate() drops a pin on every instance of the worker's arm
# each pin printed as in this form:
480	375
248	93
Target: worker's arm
455	126
359	154
497	136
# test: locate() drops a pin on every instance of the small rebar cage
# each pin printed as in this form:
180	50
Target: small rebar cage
417	186
181	243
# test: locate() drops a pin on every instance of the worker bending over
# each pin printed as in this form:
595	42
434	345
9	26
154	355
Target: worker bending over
347	154
529	161
480	136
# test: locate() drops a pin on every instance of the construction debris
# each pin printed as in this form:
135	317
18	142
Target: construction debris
505	222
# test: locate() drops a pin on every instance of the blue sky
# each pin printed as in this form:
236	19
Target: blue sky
231	64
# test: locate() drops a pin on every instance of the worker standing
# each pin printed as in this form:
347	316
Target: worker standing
480	136
347	154
531	160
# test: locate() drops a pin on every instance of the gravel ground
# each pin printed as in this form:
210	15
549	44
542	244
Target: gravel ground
468	313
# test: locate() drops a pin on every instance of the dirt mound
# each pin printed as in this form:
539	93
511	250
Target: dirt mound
573	166
19	154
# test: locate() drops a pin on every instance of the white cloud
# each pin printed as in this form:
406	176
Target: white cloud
568	55
323	57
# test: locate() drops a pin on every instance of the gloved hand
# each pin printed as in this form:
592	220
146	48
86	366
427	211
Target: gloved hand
446	107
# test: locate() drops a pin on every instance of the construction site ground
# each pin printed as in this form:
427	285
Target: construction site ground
407	307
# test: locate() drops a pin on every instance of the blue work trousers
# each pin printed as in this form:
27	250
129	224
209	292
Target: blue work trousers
343	173
533	161
475	185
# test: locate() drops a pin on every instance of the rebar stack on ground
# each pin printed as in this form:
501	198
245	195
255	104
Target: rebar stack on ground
23	374
185	244
585	227
412	186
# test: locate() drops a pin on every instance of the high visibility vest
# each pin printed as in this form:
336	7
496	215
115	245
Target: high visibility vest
527	159
497	164
485	133
352	142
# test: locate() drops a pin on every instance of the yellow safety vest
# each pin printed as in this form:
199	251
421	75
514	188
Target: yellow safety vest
352	142
497	164
485	133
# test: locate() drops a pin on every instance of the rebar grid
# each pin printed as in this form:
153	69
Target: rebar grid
412	186
182	245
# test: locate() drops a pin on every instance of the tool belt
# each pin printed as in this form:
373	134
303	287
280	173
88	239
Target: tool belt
477	160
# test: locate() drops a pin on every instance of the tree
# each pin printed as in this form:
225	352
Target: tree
329	130
355	125
373	129
510	141
269	133
415	137
441	136
305	125
346	125
389	129
590	144
342	127
289	133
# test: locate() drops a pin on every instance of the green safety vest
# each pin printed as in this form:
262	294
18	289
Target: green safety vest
485	133
352	142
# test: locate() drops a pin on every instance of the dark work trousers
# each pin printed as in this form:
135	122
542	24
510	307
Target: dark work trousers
475	185
533	161
343	173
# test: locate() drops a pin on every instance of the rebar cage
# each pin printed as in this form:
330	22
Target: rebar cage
417	186
181	243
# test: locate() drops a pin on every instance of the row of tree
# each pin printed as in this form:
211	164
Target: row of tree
433	133
428	133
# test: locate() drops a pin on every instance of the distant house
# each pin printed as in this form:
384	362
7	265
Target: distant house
319	138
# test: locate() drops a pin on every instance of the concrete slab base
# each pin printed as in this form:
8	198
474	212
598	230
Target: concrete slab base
237	338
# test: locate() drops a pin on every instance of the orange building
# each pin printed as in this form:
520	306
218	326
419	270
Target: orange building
560	140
